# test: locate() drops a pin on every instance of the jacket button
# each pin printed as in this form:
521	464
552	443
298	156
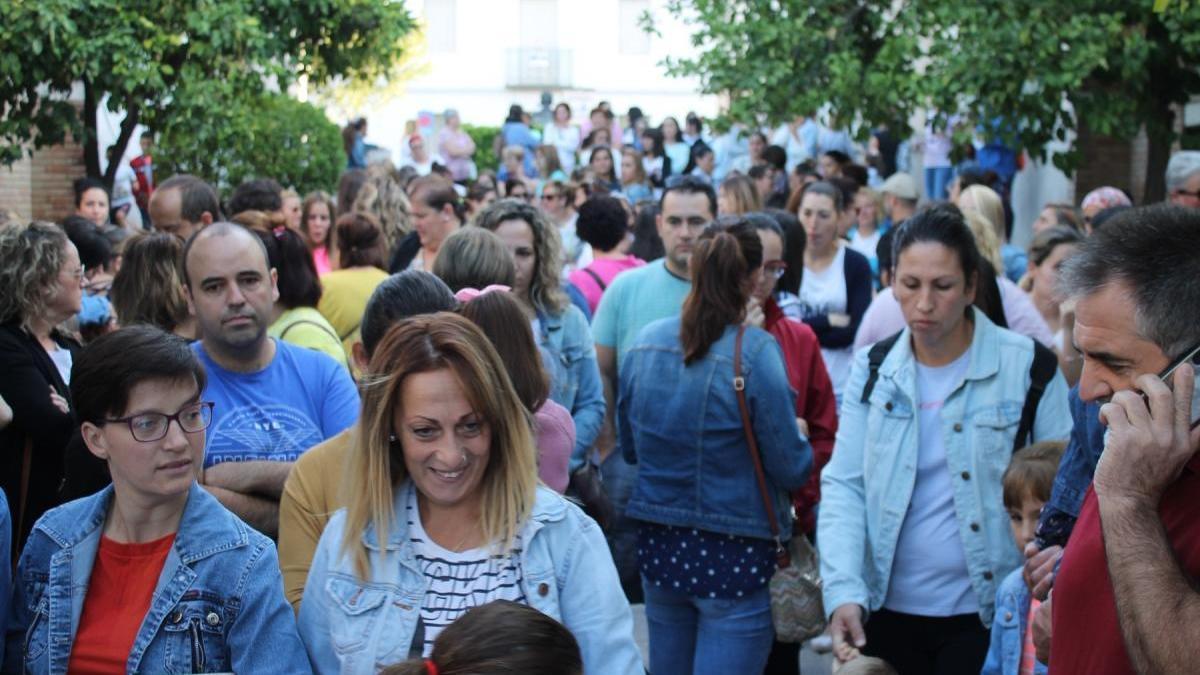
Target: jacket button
1008	616
987	576
543	589
888	406
958	427
177	616
966	475
975	528
212	619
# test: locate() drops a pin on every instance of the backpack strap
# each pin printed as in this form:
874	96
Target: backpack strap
1041	371
875	357
595	277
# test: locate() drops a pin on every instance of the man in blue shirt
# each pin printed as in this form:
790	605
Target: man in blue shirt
273	400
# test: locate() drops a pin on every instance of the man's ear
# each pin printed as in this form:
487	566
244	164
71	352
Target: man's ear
206	219
359	353
93	438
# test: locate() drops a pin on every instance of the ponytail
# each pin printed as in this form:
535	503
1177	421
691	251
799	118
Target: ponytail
722	262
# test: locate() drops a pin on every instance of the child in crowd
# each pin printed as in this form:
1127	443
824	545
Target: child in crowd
499	638
1027	483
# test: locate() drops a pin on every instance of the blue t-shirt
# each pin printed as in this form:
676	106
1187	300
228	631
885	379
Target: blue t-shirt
635	299
300	399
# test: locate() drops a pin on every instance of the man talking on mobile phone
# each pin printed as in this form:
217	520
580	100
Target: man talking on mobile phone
1125	598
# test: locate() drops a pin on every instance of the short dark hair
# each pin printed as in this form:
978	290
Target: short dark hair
941	224
647	245
690	185
602	222
289	256
857	173
1031	473
86	183
821	187
795	239
262	194
501	319
360	241
398	297
94	248
223	228
112	365
838	156
775	156
1153	251
195	197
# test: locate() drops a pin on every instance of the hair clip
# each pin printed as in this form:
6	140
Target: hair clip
466	295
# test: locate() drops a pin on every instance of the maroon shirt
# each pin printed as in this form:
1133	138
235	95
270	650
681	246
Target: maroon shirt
1086	637
815	402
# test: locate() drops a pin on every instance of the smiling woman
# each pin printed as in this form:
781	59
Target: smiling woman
446	514
137	394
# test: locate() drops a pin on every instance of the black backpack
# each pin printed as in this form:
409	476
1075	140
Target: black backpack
1041	371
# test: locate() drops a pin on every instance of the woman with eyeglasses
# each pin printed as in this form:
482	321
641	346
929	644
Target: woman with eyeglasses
43	282
150	574
705	544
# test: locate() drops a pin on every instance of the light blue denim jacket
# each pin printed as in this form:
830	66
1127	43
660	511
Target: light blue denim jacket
682	426
354	626
867	485
1008	630
574	374
218	605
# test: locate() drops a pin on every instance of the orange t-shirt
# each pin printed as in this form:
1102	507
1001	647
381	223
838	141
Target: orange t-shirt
118	598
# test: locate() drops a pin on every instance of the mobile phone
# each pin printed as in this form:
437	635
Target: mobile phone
1190	359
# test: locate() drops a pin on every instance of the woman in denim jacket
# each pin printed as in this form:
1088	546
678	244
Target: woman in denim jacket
912	526
151	574
560	327
705	546
445	514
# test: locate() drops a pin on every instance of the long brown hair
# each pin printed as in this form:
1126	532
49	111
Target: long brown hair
499	316
360	241
375	468
725	257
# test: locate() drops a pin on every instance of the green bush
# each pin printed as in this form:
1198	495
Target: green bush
269	135
484	137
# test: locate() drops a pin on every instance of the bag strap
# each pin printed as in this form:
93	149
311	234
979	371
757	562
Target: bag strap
298	322
875	358
1041	371
595	277
782	558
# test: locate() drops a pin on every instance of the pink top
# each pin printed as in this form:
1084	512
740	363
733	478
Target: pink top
605	268
555	432
321	260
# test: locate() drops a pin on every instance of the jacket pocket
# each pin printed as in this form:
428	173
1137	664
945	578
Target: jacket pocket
194	636
354	609
37	635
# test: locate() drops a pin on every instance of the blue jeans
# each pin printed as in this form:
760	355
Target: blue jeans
619	479
697	636
937	182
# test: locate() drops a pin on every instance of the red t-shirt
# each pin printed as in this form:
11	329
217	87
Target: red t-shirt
118	598
1086	637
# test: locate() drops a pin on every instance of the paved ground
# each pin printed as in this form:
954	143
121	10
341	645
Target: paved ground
811	663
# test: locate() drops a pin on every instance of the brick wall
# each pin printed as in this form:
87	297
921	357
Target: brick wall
40	187
1107	161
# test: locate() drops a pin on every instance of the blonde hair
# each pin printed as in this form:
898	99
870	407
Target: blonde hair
382	195
31	258
876	198
985	238
742	194
376	467
984	199
639	177
545	288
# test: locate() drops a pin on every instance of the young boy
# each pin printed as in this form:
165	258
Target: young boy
1027	483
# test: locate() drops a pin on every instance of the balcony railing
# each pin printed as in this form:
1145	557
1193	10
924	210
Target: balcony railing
538	68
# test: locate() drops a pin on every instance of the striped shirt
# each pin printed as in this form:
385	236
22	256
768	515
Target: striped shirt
459	581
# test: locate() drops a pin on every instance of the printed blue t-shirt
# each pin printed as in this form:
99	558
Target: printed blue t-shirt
300	399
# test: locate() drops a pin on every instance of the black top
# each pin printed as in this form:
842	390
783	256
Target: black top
29	374
406	249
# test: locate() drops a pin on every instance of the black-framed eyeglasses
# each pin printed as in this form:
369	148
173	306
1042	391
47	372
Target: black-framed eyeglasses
152	426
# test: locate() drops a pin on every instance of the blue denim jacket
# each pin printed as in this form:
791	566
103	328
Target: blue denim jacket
218	606
867	485
1074	474
350	625
5	568
683	428
1008	630
574	374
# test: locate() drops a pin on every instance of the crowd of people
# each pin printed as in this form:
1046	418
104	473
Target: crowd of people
444	419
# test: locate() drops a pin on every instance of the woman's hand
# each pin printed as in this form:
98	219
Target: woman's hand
754	314
839	320
59	402
847	630
6	413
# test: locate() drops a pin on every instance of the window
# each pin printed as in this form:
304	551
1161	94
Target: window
441	28
539	23
633	40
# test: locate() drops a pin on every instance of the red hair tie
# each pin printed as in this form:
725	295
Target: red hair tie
431	667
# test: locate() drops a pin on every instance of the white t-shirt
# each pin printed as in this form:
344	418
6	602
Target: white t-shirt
865	244
929	570
566	141
459	581
824	293
62	362
122	192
